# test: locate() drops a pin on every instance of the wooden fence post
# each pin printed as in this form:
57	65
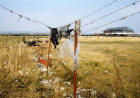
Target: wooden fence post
48	58
75	71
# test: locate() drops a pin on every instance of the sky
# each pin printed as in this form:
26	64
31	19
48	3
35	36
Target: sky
56	13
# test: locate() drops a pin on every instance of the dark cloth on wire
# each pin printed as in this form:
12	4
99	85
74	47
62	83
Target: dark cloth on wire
68	33
58	33
54	37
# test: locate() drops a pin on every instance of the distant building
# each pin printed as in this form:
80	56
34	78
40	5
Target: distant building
119	31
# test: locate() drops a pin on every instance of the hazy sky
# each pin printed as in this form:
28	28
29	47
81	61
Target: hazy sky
61	12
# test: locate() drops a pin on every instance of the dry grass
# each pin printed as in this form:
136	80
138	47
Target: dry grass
109	67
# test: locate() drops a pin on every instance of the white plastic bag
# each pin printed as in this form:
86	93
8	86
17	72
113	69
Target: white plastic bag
67	49
76	59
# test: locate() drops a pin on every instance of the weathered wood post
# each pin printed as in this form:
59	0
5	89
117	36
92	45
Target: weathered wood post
48	58
76	34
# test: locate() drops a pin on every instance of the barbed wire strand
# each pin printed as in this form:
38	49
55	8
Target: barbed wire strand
111	22
96	11
22	16
107	5
29	19
102	17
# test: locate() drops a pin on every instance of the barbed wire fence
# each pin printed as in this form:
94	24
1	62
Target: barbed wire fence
22	16
84	17
96	11
35	21
111	13
114	21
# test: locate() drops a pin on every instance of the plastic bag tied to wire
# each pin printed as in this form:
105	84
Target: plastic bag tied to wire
67	51
76	59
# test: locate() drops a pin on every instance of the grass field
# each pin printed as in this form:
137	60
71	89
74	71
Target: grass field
108	68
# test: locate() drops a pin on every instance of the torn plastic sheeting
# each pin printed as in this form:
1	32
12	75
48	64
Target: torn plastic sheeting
67	50
76	59
43	69
43	62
